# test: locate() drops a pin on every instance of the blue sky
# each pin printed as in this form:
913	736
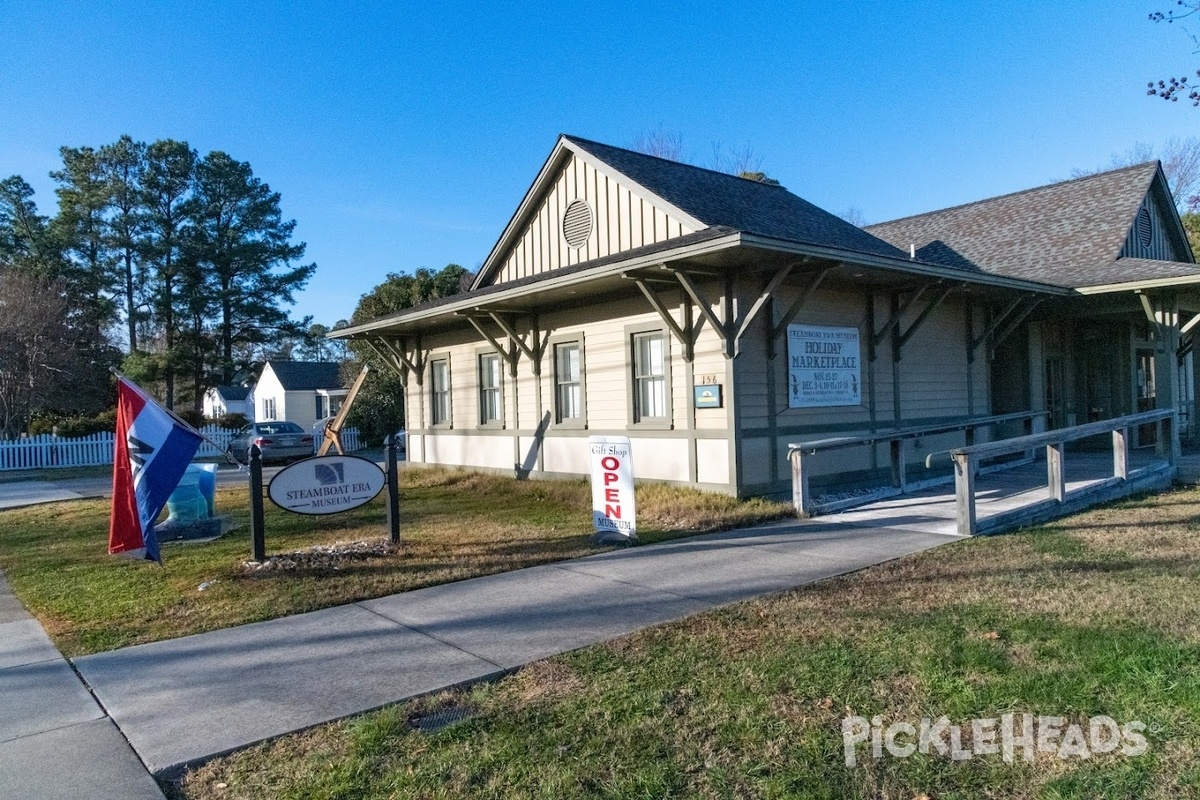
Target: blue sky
403	135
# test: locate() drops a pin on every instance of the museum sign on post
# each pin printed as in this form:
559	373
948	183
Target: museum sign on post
824	367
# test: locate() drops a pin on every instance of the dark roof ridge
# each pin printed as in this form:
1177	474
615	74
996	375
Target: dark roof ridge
1031	189
585	142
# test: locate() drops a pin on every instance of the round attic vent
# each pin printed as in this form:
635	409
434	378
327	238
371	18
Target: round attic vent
577	223
1143	227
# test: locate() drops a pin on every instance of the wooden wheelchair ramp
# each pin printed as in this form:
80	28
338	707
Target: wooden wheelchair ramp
998	495
1051	481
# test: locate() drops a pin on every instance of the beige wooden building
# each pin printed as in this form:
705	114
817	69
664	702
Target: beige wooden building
714	320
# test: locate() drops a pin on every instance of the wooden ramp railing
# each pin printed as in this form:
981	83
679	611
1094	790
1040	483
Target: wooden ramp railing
806	505
1060	501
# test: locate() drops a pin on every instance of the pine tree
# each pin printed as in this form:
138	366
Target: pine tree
245	246
170	170
124	166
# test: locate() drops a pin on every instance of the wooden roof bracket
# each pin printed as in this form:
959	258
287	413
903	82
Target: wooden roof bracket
686	339
534	354
509	354
894	321
904	336
761	302
516	342
780	328
1030	303
1187	337
721	328
993	325
1187	327
401	370
395	357
1151	317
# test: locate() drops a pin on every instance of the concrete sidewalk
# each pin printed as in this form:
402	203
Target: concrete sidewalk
188	699
55	741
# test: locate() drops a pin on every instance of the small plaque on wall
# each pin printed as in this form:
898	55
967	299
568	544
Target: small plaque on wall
708	396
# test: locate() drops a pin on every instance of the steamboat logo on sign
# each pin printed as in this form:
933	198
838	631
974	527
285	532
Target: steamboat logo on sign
326	485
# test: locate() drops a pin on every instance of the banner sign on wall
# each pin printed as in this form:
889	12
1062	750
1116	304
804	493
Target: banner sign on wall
613	510
824	368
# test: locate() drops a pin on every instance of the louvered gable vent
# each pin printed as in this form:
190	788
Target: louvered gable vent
577	223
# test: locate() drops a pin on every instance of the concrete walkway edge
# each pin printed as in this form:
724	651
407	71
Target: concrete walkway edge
183	701
55	740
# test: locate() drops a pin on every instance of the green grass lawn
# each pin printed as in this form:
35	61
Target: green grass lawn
1095	614
455	525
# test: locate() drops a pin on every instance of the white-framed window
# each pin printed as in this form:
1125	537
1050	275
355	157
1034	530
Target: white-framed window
439	391
269	408
491	399
650	377
568	382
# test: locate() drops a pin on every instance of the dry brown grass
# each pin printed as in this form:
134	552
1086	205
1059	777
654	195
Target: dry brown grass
455	524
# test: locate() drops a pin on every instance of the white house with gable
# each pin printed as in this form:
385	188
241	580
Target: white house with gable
298	391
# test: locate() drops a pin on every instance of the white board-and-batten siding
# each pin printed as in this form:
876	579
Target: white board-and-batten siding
622	220
605	335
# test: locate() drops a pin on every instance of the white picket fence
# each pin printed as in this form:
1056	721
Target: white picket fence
47	451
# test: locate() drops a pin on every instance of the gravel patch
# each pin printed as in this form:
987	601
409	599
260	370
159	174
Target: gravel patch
323	556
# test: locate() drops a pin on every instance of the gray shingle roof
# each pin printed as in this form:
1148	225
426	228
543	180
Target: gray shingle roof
233	394
1128	270
1066	234
298	376
721	200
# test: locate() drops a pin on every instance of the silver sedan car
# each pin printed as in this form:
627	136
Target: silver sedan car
278	441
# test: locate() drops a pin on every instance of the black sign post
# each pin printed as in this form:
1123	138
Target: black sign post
393	489
257	536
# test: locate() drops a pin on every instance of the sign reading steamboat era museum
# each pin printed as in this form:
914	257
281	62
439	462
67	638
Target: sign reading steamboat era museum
326	484
824	368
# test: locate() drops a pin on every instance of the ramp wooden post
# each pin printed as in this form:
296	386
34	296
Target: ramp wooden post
801	499
1121	453
899	468
1055	475
964	491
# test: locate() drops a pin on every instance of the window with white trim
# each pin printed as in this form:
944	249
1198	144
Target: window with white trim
491	401
649	377
268	408
568	385
439	391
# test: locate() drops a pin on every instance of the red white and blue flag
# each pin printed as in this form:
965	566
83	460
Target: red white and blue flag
153	449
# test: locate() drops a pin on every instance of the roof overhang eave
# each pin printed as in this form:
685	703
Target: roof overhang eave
734	239
1139	286
903	265
470	301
